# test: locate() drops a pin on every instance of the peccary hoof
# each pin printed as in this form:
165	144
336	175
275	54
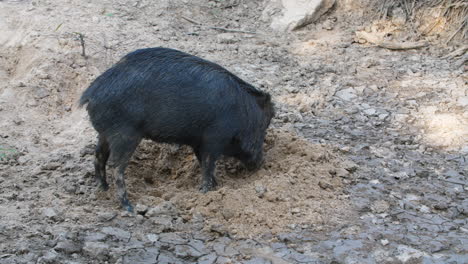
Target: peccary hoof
104	187
127	206
208	186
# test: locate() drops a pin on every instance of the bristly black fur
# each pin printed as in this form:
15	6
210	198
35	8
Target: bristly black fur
173	97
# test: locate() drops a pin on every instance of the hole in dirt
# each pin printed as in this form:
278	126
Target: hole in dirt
297	185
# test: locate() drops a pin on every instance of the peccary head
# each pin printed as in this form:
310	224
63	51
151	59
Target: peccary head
252	156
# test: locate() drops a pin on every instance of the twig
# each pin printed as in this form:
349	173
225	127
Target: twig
452	182
232	30
191	20
402	46
456	32
456	53
217	28
82	41
377	40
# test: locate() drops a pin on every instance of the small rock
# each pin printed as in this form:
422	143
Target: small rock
368	91
164	221
152	237
51	166
463	101
441	206
172	238
41	93
141	209
227	38
223	260
295	210
165	208
49	213
167	258
199	246
207	259
260	190
405	253
293	14
325	185
49	257
184	251
227	213
70	188
370	111
224	250
342	173
140	256
346	94
258	260
380	206
384	242
328	24
93	237
106	216
87	150
424	209
31	102
98	250
218	228
68	247
400	175
118	233
383	116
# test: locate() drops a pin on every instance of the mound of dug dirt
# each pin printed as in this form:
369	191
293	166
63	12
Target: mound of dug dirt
299	184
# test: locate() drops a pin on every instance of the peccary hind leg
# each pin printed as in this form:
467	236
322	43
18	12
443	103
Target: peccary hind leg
100	161
122	147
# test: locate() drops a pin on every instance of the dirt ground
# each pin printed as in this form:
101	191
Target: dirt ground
366	159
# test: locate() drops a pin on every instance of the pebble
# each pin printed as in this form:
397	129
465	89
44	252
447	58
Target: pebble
49	257
97	250
258	260
405	253
49	213
424	209
370	111
346	94
462	101
165	208
325	185
68	247
172	238
141	209
384	242
260	190
51	166
207	259
227	38
225	250
118	233
383	116
152	237
186	251
380	206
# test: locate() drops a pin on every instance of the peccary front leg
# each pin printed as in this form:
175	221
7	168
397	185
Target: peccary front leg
121	188
208	168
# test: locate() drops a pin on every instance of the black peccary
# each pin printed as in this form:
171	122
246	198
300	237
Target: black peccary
173	97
